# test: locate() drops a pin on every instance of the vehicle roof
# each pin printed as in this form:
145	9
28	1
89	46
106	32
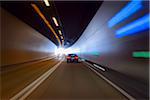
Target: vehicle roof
72	54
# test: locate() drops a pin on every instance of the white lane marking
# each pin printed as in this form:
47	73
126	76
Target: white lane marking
111	83
45	59
99	67
31	87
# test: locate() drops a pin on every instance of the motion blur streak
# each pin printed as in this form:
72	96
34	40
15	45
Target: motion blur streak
143	54
44	19
99	44
134	27
46	3
55	21
128	10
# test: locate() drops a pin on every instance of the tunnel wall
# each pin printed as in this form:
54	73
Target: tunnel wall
99	44
21	43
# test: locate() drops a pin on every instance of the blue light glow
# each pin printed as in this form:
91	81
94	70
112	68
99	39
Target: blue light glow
127	11
134	27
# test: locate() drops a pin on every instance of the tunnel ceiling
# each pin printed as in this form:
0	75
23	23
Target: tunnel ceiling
72	16
75	17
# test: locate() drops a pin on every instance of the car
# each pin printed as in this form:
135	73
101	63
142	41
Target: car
72	58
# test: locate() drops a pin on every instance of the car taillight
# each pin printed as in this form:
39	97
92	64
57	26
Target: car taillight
76	57
68	57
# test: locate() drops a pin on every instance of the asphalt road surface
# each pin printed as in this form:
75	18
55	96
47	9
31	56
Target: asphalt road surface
75	81
16	77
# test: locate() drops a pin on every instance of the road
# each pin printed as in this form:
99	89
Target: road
16	77
74	81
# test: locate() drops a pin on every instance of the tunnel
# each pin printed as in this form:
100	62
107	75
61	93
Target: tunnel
75	50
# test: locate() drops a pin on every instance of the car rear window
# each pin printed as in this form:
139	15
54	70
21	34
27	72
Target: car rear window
72	55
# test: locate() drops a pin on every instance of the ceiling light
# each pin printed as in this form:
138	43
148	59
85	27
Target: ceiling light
55	21
59	32
46	3
62	37
46	21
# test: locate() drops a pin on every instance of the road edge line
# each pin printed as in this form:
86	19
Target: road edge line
31	87
99	67
111	83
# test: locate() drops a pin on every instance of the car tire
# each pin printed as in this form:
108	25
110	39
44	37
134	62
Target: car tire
76	61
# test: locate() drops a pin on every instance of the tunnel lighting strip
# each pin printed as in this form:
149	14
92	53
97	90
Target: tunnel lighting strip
45	20
46	2
141	54
55	21
134	27
62	37
62	41
127	11
60	32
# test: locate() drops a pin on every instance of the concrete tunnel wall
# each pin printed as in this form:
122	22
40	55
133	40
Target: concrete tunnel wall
99	44
21	43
